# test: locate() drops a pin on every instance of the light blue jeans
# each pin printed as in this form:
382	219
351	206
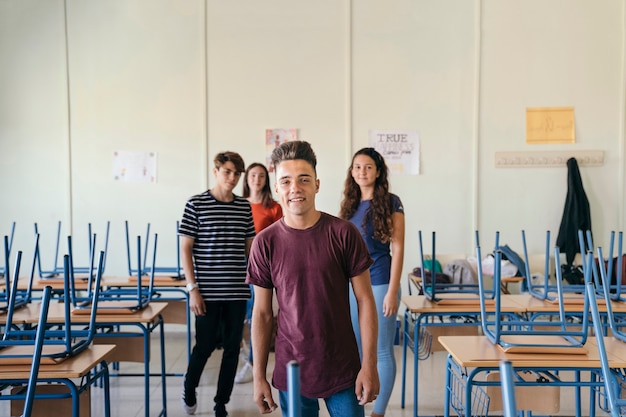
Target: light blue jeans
340	404
385	351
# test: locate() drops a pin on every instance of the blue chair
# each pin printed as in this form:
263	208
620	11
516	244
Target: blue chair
173	271
31	386
507	384
615	325
614	379
20	297
119	300
526	335
57	270
447	292
610	264
545	290
65	339
7	248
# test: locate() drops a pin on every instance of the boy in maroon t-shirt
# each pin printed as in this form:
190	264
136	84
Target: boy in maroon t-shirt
311	258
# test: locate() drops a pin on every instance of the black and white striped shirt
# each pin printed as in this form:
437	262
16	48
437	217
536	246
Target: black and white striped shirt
220	230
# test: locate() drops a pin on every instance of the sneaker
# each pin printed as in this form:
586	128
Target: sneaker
244	353
245	374
188	401
220	410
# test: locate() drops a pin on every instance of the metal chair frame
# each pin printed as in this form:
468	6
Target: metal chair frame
8	245
58	270
438	291
613	378
496	328
174	271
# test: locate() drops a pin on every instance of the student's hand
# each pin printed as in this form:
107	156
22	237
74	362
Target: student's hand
263	396
367	385
196	303
390	305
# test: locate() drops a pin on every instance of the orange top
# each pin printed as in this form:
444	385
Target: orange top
264	216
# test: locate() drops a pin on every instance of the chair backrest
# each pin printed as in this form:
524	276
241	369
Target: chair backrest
123	299
613	266
140	267
526	335
72	337
175	271
440	291
507	384
616	405
56	270
7	246
39	342
12	297
618	332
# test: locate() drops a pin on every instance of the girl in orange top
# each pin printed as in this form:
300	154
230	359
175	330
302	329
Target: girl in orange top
265	211
256	188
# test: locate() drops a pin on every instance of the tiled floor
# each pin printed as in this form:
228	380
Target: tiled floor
127	392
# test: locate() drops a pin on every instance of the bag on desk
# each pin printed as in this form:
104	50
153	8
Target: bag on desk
460	272
615	273
573	274
440	277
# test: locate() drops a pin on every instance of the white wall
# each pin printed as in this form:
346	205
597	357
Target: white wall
82	78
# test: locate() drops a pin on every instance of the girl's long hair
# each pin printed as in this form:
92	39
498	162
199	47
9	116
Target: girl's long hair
379	212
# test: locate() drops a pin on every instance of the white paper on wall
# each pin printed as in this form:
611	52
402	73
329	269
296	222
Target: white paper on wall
400	148
134	166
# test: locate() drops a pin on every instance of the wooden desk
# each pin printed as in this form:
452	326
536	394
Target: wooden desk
472	356
88	367
419	309
176	312
169	289
146	321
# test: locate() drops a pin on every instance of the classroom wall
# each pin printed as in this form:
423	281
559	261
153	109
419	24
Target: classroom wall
81	79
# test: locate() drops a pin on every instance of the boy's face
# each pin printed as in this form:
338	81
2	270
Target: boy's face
227	176
296	186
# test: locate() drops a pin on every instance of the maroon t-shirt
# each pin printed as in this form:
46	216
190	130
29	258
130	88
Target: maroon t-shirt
311	270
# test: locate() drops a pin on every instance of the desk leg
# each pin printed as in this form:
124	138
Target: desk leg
448	390
146	351
577	394
416	360
404	348
146	369
163	388
105	382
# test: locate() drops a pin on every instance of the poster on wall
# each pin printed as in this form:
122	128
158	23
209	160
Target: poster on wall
545	125
400	148
134	166
273	138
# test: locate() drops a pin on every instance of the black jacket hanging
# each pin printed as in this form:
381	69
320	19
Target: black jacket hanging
576	214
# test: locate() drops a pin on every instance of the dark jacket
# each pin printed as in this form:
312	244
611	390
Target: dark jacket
576	214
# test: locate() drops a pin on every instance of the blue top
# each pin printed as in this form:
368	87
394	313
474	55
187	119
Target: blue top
380	252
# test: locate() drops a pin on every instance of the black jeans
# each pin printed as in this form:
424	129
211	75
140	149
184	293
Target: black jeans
222	322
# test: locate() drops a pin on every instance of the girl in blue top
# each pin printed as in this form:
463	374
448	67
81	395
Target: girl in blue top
379	216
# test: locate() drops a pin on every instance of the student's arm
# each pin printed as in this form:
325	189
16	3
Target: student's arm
262	325
196	303
367	383
390	303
